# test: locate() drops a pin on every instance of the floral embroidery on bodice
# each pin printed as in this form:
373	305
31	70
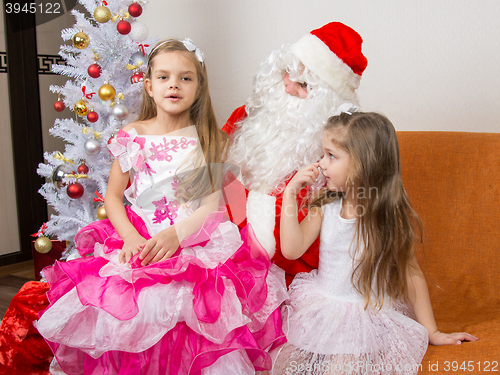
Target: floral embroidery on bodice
147	169
161	151
154	162
165	210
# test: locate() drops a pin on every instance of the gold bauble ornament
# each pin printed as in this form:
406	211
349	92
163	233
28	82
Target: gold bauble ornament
101	213
81	40
43	245
81	108
102	14
107	92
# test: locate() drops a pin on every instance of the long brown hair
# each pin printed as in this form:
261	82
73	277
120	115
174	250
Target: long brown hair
387	227
213	141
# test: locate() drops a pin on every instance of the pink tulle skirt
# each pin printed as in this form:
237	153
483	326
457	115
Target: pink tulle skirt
213	308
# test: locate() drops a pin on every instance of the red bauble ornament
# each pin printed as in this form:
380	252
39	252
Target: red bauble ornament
94	71
92	116
59	106
135	10
137	77
82	168
123	27
109	141
74	190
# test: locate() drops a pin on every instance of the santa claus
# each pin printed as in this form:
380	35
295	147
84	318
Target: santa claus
279	129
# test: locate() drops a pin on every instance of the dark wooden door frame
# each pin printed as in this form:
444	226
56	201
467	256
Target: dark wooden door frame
26	125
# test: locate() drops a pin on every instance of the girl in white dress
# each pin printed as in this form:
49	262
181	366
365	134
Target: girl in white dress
366	309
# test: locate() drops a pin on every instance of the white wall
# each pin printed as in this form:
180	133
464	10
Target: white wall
432	64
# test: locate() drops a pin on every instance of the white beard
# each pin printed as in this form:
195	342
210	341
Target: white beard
280	136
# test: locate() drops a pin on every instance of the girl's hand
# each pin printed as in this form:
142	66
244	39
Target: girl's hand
305	176
440	338
131	246
160	247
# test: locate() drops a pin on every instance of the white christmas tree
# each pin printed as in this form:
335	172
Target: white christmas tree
106	60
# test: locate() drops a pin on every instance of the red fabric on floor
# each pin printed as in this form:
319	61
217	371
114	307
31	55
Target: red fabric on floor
22	350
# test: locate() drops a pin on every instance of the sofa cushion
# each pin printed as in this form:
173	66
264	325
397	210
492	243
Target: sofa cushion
453	181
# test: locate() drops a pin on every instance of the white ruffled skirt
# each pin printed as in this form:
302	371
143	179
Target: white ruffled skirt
330	334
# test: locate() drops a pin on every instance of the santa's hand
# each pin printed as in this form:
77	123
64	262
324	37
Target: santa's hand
304	177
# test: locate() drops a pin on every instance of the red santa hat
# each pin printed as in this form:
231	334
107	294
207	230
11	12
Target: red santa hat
333	52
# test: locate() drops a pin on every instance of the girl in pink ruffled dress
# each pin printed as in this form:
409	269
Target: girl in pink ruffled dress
166	285
366	309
